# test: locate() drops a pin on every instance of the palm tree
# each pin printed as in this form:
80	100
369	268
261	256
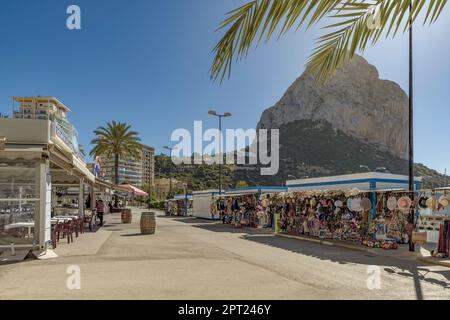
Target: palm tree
354	24
116	140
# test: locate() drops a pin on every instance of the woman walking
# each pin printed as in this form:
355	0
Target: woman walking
100	208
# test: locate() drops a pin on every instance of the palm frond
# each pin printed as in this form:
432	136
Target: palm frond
356	29
350	31
258	20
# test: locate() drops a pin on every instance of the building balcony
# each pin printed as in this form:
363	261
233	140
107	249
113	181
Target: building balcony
23	131
26	129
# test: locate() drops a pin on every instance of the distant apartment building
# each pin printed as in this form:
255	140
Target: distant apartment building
138	172
43	108
130	171
148	166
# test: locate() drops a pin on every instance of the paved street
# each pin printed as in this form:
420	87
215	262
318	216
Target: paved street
197	259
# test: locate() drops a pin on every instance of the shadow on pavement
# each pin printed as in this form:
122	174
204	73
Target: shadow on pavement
400	267
192	220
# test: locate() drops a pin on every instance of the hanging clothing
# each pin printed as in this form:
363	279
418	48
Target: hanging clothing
236	205
447	238
441	244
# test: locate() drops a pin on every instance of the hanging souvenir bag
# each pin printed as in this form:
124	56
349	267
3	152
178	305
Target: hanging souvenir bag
419	237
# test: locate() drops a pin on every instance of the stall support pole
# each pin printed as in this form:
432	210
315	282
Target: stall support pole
43	224
81	198
373	198
92	192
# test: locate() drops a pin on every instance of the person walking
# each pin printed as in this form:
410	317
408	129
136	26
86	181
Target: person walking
100	208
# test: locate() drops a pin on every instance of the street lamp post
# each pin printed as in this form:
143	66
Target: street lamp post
411	123
220	116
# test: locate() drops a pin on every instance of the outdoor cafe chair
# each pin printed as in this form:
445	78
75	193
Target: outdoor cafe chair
66	229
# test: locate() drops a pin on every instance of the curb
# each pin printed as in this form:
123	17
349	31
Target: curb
327	242
429	260
435	261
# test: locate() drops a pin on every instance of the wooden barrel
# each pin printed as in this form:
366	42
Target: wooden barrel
148	223
126	216
116	210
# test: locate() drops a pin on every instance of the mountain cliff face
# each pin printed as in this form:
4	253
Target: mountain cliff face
353	119
355	101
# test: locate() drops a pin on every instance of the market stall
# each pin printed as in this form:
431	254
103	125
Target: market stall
184	204
352	215
246	207
434	221
171	207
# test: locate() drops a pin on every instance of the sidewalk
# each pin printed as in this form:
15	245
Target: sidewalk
88	243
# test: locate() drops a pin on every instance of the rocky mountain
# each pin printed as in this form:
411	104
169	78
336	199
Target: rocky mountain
332	128
355	100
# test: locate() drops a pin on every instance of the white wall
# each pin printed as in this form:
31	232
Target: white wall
360	186
202	206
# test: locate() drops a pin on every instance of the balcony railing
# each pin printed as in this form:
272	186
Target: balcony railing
67	133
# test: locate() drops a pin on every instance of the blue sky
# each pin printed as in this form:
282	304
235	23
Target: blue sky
146	63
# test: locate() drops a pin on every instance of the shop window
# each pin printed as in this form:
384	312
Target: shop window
19	201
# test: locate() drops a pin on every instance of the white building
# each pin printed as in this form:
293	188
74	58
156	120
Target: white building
38	152
361	181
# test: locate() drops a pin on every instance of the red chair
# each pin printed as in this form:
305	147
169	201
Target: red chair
58	228
75	227
67	231
54	235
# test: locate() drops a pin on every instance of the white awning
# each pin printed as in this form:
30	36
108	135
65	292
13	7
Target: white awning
81	167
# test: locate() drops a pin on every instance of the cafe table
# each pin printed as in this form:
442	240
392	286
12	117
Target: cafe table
28	225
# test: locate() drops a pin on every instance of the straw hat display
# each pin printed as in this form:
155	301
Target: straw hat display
352	192
349	203
391	203
423	202
444	201
432	203
404	203
366	204
356	205
338	204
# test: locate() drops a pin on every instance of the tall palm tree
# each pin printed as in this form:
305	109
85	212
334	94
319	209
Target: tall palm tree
116	140
353	25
